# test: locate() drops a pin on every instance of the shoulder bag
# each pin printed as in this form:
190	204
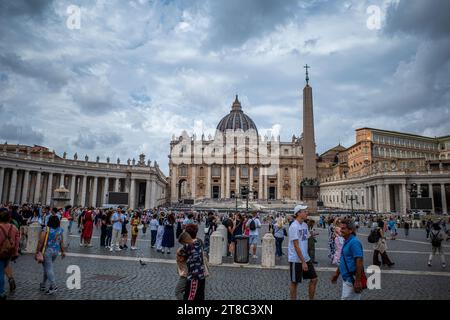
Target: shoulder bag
40	255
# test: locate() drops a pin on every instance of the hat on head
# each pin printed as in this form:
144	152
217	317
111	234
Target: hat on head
299	207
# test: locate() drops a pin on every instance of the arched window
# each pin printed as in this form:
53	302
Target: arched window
182	171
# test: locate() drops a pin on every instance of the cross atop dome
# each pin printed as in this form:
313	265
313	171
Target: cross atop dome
236	104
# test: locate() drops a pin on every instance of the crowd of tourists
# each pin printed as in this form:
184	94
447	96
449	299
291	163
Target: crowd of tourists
167	227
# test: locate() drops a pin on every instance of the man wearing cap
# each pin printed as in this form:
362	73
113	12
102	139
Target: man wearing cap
300	264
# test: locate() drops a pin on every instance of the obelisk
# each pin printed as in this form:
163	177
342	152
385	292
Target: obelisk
309	144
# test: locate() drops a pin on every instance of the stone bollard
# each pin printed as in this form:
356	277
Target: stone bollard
215	248
268	251
264	228
223	231
65	226
34	230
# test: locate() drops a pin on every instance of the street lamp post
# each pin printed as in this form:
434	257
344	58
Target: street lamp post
351	200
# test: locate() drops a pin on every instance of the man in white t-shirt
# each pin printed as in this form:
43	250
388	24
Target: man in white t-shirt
300	264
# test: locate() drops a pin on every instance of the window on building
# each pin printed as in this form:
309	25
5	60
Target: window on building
215	171
255	172
286	151
202	172
244	171
232	171
182	171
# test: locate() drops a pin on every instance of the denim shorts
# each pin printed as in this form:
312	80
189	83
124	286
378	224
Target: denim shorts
253	240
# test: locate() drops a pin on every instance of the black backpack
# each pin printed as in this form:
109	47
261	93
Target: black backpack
435	241
252	225
374	236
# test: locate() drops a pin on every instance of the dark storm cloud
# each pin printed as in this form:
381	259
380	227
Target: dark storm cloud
418	17
20	134
24	7
54	74
91	140
233	22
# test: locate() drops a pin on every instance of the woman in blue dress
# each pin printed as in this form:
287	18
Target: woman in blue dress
168	240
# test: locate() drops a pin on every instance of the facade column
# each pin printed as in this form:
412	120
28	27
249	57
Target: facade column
444	199
208	182
294	184
105	191
174	186
430	194
279	184
26	182
375	199
72	190
193	183
238	180
13	185
250	181
83	191
116	185
2	178
222	182
266	186
37	192
132	193
260	182
148	192
403	199
48	200
227	183
387	199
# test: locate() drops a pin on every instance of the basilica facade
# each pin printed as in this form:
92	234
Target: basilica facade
239	157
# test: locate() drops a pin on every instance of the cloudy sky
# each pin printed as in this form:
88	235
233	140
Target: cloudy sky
137	72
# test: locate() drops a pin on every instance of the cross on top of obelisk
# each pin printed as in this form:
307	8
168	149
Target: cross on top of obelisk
307	74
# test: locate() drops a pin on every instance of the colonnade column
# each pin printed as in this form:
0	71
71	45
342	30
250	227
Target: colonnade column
132	193
83	191
430	194
13	185
403	198
148	193
26	182
444	199
72	190
48	200
116	185
153	199
37	192
105	191
387	199
2	177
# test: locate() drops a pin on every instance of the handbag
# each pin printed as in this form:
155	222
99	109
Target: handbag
363	274
40	255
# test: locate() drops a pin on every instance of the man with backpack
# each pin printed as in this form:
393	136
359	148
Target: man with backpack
437	236
9	247
253	224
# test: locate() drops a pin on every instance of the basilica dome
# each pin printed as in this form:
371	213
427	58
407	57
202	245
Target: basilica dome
236	119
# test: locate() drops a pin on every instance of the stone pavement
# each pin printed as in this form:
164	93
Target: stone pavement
119	275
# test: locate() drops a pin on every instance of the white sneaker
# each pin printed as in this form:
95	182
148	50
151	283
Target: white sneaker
111	249
118	249
81	244
255	257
